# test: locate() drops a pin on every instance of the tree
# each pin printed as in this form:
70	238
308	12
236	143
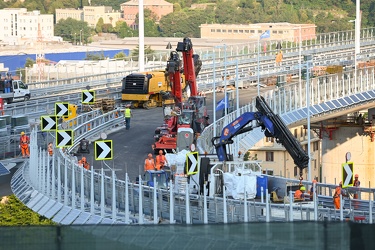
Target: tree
107	28
94	56
29	62
73	30
121	55
14	213
122	29
99	26
148	53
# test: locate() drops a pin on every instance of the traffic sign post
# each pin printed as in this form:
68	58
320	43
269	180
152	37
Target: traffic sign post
62	109
48	123
64	138
88	97
192	163
103	150
347	174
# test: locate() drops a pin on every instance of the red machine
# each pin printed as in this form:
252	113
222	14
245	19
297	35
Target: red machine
183	120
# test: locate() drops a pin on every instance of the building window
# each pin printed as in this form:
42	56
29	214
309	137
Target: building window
301	131
252	31
241	31
247	31
268	171
259	31
274	32
224	31
235	31
316	146
212	30
269	156
229	31
295	171
295	133
280	31
270	139
218	30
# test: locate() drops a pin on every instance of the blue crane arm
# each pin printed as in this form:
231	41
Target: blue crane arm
239	126
271	124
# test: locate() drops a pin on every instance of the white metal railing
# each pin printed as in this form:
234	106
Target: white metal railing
292	97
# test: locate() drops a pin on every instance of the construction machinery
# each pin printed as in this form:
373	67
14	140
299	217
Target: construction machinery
17	91
155	88
183	120
271	124
145	89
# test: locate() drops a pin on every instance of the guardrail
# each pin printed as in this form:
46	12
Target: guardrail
328	94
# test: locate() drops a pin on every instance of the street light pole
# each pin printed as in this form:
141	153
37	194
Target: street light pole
357	40
308	60
80	37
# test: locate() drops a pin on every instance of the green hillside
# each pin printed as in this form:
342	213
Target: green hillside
328	15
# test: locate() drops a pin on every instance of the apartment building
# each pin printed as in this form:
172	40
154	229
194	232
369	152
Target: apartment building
278	31
76	14
277	161
22	27
158	7
91	15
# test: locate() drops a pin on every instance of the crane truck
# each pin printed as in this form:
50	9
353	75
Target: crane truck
183	119
222	170
271	124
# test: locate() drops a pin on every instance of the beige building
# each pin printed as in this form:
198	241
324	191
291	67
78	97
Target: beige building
130	9
277	161
279	31
90	14
76	14
18	26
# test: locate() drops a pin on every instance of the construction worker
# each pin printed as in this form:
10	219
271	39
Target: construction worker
161	161
50	149
84	163
300	194
149	163
357	184
50	152
24	145
279	58
312	190
336	196
128	115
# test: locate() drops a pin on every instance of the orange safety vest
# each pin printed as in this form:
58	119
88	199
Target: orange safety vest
24	139
149	164
160	161
298	194
50	150
86	166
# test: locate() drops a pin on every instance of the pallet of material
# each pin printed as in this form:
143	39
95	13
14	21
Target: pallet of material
108	104
97	103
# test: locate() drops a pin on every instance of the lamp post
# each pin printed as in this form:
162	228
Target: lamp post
308	59
80	37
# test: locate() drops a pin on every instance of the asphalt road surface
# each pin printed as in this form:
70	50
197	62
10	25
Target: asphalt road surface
132	146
